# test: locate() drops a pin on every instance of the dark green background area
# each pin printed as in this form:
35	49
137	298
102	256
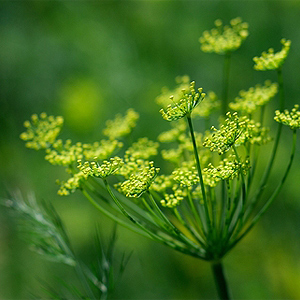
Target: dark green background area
89	60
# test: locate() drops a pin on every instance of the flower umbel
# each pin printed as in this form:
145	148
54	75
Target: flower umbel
270	60
224	39
102	171
249	101
140	182
222	140
291	119
41	131
189	100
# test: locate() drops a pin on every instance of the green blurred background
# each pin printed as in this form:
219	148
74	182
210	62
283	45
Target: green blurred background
89	60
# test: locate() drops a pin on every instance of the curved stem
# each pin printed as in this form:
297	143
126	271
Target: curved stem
267	173
220	280
273	196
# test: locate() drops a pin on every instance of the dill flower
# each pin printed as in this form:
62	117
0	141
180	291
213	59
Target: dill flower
270	60
72	184
174	134
102	171
186	175
101	150
162	182
172	200
291	119
182	83
228	168
221	140
64	154
121	125
224	39
140	182
189	100
143	148
41	131
210	104
257	96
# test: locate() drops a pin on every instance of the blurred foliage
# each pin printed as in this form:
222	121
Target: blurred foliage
91	60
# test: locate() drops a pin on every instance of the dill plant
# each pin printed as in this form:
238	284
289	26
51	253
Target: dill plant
210	200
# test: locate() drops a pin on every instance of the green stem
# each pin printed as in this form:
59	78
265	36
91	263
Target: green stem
220	280
267	173
226	70
273	196
199	170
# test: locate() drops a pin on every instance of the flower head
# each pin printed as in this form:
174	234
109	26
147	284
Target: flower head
41	131
172	200
182	83
143	148
224	39
270	60
108	167
186	175
291	119
249	101
121	125
233	128
228	168
140	182
189	100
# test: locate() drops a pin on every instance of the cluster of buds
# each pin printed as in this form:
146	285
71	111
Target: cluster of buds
72	184
121	125
186	175
291	119
249	101
143	148
42	131
139	182
228	168
102	171
224	39
64	154
224	138
270	60
189	100
172	200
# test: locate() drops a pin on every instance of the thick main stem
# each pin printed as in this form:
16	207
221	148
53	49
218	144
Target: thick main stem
220	280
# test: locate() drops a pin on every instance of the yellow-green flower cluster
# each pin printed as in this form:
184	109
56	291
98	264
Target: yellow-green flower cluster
270	60
183	83
71	184
291	119
210	104
143	148
186	175
41	131
162	183
101	150
64	154
108	167
224	39
140	182
249	101
175	134
222	140
189	100
228	168
121	125
258	135
172	200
